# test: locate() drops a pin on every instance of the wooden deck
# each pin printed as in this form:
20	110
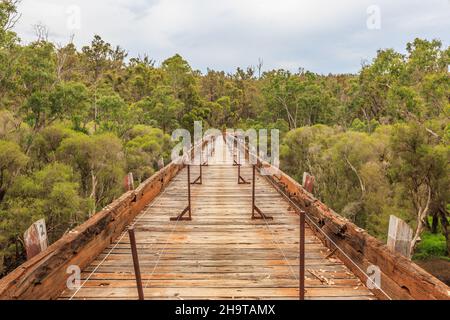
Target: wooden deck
222	253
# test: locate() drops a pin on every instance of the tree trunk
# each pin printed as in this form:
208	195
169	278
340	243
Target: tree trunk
93	194
361	182
435	223
2	194
421	215
95	106
445	227
291	120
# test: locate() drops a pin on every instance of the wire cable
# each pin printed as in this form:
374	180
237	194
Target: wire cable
331	240
117	243
320	229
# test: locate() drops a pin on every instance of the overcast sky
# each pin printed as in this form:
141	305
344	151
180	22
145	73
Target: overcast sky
320	35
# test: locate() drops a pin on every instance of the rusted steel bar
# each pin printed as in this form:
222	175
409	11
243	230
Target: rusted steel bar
211	148
137	270
253	191
208	149
199	179
189	189
188	208
241	179
234	150
239	174
302	256
204	164
260	215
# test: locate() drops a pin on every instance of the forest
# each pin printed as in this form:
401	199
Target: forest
74	121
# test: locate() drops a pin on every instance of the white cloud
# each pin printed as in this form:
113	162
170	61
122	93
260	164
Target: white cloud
322	35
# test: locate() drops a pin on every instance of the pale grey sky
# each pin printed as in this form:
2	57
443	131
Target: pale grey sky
320	35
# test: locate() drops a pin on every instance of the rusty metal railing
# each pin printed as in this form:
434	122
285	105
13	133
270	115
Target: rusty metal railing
137	270
188	209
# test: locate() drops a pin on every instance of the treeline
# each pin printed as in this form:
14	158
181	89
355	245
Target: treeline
74	122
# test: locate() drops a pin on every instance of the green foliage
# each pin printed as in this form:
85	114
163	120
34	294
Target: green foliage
115	115
74	122
12	159
100	162
46	143
70	100
97	58
52	194
360	126
162	107
181	78
421	166
431	246
146	146
400	169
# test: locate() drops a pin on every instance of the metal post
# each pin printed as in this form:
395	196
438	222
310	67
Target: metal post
302	256
189	191
234	149
199	179
253	191
205	164
137	270
255	208
241	180
188	208
239	174
211	146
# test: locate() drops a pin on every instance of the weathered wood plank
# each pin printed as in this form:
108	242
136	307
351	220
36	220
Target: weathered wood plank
220	293
222	253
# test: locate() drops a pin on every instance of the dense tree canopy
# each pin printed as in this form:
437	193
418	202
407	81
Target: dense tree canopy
74	121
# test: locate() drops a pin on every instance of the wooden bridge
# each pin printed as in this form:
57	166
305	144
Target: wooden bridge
221	253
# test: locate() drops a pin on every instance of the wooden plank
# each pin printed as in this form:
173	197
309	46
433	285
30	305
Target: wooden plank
222	283
340	275
219	293
221	253
399	236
